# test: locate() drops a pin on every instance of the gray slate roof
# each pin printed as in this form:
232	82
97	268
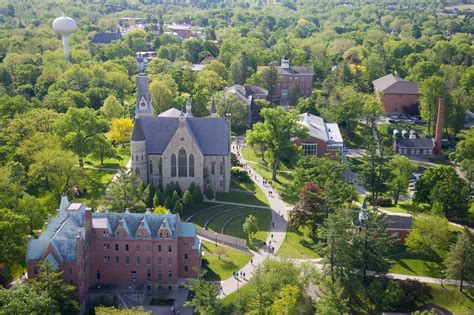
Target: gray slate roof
246	93
295	70
391	84
212	134
142	88
415	143
105	38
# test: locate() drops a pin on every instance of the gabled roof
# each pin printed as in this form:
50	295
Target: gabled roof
246	93
295	70
328	133
172	112
211	134
137	131
105	38
391	84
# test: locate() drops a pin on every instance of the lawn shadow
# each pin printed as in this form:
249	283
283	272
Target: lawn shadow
210	274
404	265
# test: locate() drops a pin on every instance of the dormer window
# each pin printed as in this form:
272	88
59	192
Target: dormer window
161	235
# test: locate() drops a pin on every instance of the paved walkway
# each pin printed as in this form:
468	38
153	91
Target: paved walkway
278	230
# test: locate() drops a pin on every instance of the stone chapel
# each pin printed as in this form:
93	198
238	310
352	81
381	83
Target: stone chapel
177	147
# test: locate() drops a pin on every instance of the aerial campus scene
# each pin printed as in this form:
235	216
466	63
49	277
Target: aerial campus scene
236	157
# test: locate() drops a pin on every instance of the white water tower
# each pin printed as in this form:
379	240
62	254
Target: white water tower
64	26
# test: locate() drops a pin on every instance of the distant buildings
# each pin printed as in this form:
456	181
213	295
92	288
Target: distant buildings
247	94
105	254
177	147
422	147
397	95
183	30
324	138
289	76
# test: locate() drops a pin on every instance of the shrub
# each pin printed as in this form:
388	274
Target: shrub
209	193
187	199
197	195
234	160
240	175
178	207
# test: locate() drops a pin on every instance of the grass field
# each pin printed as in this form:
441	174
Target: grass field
250	186
264	220
96	183
221	269
244	293
452	299
119	161
415	265
298	245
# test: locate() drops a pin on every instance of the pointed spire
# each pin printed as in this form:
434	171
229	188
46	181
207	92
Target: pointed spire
213	109
188	107
143	107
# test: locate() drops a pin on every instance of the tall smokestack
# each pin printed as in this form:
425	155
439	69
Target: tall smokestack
439	126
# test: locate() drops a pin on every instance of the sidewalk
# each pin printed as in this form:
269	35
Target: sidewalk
278	230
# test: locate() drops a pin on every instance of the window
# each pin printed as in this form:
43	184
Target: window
70	271
127	260
106	259
182	163
185	255
137	171
191	165
126	247
185	268
310	148
159	247
98	275
148	247
170	274
160	275
116	247
138	260
148	260
221	168
169	249
106	246
159	260
136	157
137	247
170	260
117	259
148	275
151	167
213	168
221	183
173	165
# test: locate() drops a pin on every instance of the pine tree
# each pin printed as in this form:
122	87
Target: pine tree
149	194
187	199
174	199
210	193
177	188
459	262
168	203
158	199
178	207
191	187
197	195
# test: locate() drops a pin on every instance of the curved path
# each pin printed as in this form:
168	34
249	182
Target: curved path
278	230
201	211
206	224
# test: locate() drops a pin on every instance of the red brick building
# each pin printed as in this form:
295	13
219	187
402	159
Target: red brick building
398	95
291	75
150	252
324	138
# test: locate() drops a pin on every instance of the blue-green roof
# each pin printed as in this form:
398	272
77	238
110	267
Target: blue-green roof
186	229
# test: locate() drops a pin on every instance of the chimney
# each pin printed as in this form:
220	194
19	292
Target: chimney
439	126
89	218
188	107
213	109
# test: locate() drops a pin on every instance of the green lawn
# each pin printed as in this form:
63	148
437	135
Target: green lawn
221	269
415	265
119	161
297	244
244	293
250	186
201	218
217	223
264	220
241	197
452	299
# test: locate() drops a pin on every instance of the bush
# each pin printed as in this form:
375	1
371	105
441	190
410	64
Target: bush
178	207
381	201
234	160
209	193
240	175
187	199
197	195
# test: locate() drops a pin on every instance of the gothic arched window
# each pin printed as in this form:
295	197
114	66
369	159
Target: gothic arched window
173	165
151	167
182	161
191	165
137	171
221	168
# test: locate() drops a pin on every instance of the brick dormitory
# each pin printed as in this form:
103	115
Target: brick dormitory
150	253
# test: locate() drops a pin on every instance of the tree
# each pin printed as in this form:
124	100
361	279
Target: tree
112	108
310	209
371	111
24	299
230	104
50	280
333	300
197	195
239	69
158	198
220	251
187	199
126	192
459	260
209	193
294	93
120	130
431	90
81	128
103	149
110	310
429	236
205	299
288	301
401	169
162	93
250	226
34	209
178	207
276	134
56	169
13	231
